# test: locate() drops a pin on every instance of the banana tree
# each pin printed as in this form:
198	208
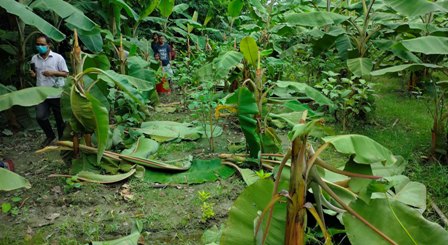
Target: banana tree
366	191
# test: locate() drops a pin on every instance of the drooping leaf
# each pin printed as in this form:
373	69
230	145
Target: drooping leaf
66	11
101	117
201	171
234	8
30	18
92	40
166	7
27	97
223	63
360	186
239	228
247	110
249	48
398	68
128	9
99	61
315	19
360	66
152	4
413	8
10	181
364	149
427	45
401	223
408	192
310	92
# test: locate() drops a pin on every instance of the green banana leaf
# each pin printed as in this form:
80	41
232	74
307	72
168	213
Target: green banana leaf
249	48
401	223
193	18
315	19
101	117
142	148
398	68
166	7
10	181
96	60
163	131
427	45
310	92
247	110
364	149
234	8
92	39
413	8
360	66
201	171
103	179
30	18
27	97
240	226
220	66
128	9
152	5
66	11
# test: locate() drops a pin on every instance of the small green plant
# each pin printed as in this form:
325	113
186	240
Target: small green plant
262	175
12	208
353	98
71	184
206	207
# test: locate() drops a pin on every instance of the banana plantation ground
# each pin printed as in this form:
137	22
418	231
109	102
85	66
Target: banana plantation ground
54	211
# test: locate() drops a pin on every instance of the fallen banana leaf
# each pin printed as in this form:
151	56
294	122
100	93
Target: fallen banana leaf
185	164
201	171
10	181
103	179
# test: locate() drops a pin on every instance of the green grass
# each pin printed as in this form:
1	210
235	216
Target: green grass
403	123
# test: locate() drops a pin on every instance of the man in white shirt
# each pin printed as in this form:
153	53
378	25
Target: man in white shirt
50	70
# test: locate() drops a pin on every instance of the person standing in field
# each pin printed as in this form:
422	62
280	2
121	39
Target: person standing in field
49	69
164	51
154	43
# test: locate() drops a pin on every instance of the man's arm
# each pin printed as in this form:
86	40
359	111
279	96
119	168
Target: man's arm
61	72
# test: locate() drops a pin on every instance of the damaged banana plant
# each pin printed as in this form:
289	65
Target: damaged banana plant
365	194
88	92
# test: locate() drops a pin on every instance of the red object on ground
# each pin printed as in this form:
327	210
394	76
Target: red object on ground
8	164
163	86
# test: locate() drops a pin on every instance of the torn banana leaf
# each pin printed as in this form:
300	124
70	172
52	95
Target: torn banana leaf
131	239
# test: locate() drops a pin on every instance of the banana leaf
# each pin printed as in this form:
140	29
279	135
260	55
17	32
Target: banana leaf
166	7
27	97
30	18
10	181
249	48
66	11
201	171
401	223
103	179
247	111
364	149
239	227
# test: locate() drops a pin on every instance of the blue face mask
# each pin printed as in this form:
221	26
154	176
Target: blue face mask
41	49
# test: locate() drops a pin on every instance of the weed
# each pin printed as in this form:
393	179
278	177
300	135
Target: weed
206	207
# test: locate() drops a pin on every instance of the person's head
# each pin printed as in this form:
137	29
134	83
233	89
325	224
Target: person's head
161	39
42	44
157	56
155	37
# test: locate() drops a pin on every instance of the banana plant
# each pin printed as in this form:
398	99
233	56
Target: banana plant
89	105
365	192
